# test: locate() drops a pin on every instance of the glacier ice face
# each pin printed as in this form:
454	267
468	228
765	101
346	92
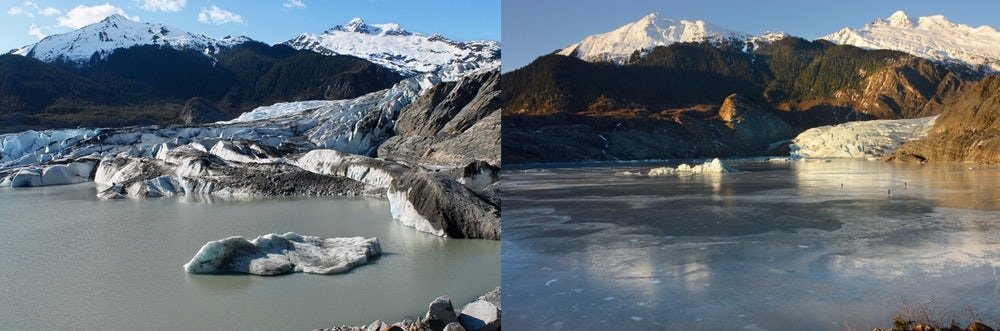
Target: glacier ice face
434	203
356	126
51	174
190	170
275	254
309	148
932	37
372	171
862	140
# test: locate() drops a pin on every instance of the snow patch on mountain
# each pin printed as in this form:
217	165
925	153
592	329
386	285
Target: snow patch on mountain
116	32
409	53
861	140
654	30
931	37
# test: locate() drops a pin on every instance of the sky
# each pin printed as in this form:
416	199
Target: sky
532	28
271	21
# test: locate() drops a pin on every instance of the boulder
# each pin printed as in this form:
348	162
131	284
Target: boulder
440	313
199	110
480	315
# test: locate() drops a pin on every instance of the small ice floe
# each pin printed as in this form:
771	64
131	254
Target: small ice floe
275	254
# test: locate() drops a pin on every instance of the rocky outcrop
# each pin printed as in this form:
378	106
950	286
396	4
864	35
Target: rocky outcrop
752	127
275	254
453	123
482	314
433	202
199	110
967	131
906	87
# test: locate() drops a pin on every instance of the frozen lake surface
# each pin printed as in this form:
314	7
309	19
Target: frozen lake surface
71	261
777	246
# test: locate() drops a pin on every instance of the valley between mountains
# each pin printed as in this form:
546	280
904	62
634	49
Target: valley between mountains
662	88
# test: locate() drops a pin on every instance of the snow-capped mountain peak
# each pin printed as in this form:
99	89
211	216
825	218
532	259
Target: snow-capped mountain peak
932	37
356	25
117	32
650	31
899	19
407	52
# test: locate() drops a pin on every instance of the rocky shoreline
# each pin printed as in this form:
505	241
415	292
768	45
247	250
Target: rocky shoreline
482	314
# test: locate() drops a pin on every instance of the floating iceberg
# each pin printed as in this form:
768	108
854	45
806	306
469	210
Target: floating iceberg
715	166
275	254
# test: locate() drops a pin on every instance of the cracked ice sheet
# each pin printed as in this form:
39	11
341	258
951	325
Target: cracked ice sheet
773	247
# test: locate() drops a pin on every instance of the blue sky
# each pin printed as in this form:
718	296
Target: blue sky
270	21
533	27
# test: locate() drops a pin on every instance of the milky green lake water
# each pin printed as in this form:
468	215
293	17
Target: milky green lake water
71	261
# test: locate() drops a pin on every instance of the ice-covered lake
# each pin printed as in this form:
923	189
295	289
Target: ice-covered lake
778	246
71	261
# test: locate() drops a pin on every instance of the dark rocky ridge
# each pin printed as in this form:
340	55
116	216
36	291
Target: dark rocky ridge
968	130
454	123
147	85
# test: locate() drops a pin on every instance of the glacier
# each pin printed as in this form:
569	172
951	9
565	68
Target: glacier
860	140
307	148
275	254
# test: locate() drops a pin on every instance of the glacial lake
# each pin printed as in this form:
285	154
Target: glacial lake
777	246
72	261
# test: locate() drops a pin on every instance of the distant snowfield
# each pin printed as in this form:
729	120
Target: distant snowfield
654	30
407	52
932	37
860	140
117	32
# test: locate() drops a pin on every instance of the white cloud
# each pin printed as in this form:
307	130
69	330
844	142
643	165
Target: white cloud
30	9
218	16
49	11
294	4
163	5
81	16
35	31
